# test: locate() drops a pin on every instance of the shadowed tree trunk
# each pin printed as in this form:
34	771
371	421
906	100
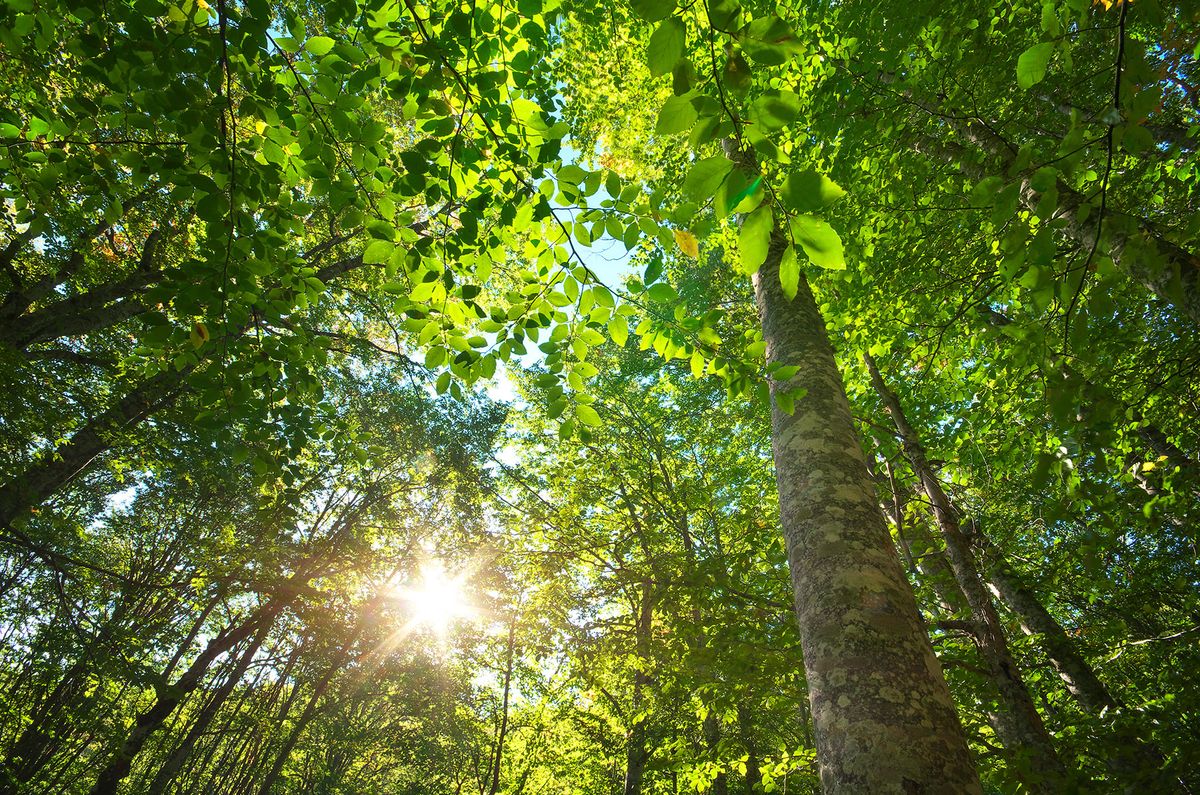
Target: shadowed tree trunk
746	733
1141	762
1017	722
52	722
55	468
712	737
636	752
171	696
306	717
170	768
502	732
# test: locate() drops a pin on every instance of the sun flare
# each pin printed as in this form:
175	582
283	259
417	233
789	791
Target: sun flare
437	601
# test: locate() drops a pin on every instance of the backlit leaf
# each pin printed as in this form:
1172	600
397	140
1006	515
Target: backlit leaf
754	239
687	242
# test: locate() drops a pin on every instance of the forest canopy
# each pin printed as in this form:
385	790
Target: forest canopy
537	397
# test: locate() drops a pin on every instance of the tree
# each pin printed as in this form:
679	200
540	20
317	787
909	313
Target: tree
266	524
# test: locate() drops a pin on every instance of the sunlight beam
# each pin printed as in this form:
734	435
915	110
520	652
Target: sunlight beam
437	602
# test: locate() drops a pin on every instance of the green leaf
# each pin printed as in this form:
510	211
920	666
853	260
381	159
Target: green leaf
618	330
738	74
806	191
785	402
662	293
587	415
775	110
724	14
785	373
435	356
754	239
1031	65
705	177
1135	138
666	46
769	41
677	116
820	242
738	197
789	272
319	45
654	271
984	192
378	252
739	193
652	10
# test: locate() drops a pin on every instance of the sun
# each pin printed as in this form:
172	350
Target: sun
438	600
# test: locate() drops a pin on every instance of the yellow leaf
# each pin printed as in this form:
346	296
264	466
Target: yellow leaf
199	334
687	243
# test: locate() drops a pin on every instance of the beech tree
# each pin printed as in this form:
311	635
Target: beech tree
561	397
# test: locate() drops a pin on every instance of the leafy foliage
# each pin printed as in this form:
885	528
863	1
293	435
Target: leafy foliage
264	262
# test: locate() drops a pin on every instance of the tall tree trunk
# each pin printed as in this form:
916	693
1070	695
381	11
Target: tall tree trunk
40	739
55	469
1078	676
502	732
166	774
922	559
68	319
306	717
884	719
340	660
746	734
52	720
170	697
637	754
1017	723
712	738
24	295
1138	762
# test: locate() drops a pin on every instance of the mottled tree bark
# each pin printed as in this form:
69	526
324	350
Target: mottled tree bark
923	561
1078	676
1017	722
884	719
